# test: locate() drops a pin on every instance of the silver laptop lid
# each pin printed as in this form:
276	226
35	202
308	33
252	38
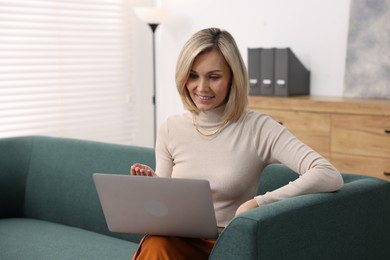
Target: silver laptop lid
157	206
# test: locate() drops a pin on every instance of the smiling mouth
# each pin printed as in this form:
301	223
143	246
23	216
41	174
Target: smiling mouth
204	98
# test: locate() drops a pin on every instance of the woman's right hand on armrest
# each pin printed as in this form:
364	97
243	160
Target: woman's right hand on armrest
142	170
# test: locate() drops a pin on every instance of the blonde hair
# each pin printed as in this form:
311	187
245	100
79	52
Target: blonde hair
209	40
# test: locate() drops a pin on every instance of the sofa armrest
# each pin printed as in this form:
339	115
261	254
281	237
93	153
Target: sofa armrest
352	223
14	162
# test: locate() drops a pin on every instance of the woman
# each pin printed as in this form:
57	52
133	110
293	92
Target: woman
220	141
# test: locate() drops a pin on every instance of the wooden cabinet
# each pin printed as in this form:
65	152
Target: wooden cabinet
312	128
354	134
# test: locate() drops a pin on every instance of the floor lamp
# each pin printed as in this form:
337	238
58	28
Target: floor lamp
153	16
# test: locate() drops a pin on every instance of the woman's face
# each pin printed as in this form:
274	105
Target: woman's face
209	81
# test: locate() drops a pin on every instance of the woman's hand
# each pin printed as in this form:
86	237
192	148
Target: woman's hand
142	170
250	204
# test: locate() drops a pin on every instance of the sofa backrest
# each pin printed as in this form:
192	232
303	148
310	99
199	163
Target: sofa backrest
14	163
60	188
274	176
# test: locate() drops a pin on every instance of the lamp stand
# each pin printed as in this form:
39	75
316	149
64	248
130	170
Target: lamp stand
154	26
153	16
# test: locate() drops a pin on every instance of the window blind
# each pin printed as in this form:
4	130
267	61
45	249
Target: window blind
66	69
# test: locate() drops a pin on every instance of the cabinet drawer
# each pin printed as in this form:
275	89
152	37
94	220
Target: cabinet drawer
361	135
373	166
311	128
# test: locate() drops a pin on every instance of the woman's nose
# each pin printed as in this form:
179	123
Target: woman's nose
202	84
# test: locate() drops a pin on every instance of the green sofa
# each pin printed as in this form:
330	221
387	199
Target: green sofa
49	209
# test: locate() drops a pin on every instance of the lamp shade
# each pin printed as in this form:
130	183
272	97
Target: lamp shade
152	15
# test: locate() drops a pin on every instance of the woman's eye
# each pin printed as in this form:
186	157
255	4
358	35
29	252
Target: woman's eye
215	77
193	76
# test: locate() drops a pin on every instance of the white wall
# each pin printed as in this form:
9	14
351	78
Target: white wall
316	30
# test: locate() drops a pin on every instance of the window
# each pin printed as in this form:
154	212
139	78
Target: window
66	70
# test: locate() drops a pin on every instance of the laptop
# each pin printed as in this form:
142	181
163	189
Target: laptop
157	206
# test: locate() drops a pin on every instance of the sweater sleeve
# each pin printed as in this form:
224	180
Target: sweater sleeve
316	173
164	160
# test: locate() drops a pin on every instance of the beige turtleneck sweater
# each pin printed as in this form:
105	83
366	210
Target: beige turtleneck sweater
233	160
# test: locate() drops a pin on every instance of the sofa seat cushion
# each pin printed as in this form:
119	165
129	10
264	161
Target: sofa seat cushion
23	238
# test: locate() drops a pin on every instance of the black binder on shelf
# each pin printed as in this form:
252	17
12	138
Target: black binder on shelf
276	72
261	71
291	76
267	72
254	56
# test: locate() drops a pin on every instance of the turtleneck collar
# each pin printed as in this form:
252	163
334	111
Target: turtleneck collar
211	118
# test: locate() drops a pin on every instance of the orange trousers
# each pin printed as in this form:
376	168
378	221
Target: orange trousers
177	248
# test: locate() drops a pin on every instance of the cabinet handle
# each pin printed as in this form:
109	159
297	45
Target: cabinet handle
387	131
386	173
